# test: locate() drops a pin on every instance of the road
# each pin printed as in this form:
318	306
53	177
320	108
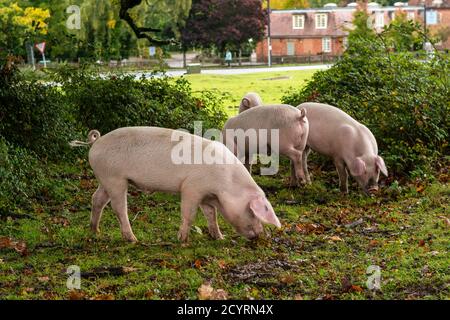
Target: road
236	71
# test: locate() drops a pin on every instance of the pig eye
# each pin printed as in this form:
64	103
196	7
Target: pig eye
267	209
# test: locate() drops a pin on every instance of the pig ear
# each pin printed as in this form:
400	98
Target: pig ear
381	165
245	102
262	209
358	167
303	112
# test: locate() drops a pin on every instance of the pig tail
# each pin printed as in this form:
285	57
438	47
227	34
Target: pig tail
92	137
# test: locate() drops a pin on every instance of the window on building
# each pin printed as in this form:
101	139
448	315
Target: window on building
326	44
379	20
321	21
432	17
298	21
290	48
410	15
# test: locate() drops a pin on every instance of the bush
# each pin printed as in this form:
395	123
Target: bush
112	101
404	101
33	115
21	175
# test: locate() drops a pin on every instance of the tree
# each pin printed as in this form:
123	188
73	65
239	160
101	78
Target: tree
224	24
175	9
288	4
19	24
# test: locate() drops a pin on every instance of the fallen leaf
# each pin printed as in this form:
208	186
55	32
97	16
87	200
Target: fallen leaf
207	292
336	238
421	243
446	220
43	279
308	228
198	230
222	264
19	246
373	243
420	188
288	279
76	295
198	264
356	288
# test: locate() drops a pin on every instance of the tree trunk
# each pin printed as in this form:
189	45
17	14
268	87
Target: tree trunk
184	58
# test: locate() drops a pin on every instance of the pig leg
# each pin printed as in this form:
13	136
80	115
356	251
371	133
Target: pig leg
189	206
99	200
296	160
306	153
210	213
119	205
343	175
293	180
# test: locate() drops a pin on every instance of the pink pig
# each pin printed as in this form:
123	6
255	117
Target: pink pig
351	145
142	156
249	101
290	123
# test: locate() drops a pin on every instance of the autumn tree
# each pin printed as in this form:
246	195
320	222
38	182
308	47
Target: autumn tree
288	4
224	24
19	24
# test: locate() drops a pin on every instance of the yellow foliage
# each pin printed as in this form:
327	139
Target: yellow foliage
25	17
37	15
111	24
287	4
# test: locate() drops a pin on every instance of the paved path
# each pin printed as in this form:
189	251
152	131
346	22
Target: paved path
235	71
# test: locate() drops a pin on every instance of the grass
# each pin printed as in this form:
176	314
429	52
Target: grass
271	86
323	250
316	254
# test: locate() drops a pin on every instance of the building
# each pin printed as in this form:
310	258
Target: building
302	35
437	19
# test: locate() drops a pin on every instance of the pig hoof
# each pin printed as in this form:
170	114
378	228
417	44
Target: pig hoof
95	229
216	235
182	237
130	238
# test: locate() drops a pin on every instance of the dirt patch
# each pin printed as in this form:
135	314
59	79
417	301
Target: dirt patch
254	272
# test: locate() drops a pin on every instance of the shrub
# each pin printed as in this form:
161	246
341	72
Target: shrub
21	175
33	115
404	101
112	101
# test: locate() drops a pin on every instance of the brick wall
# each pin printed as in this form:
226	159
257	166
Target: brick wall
302	47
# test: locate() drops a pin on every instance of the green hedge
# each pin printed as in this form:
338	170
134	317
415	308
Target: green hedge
22	178
33	114
112	101
403	100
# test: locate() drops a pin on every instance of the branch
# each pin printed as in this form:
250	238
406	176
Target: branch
140	32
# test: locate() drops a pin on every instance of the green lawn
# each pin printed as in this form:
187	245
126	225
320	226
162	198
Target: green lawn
323	251
271	86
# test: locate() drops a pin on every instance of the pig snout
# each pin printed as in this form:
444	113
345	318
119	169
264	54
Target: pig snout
372	189
253	232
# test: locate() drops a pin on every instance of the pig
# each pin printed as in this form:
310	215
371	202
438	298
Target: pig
352	146
142	156
291	123
249	101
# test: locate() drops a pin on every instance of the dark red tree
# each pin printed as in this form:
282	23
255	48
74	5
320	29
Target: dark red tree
223	23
